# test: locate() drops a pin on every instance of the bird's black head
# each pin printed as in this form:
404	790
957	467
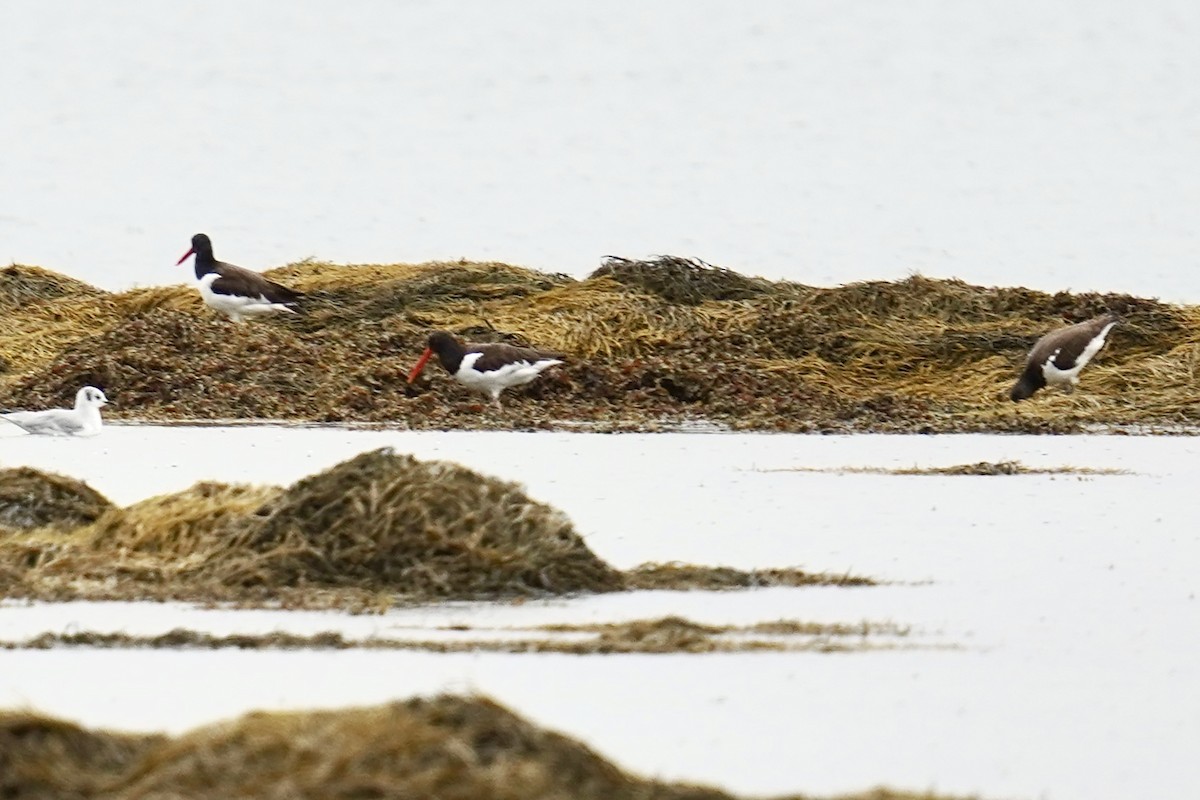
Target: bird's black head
442	342
1024	388
201	244
202	250
449	349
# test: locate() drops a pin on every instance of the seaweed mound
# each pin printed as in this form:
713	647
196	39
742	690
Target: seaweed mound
388	522
369	532
21	285
686	281
182	523
653	343
446	747
31	499
449	747
45	312
49	759
177	360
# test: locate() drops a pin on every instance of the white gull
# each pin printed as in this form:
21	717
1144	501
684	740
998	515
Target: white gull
83	420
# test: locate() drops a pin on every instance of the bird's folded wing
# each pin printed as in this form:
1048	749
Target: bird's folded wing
53	421
244	283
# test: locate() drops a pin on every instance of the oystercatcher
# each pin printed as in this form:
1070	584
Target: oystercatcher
234	291
83	420
1059	356
488	368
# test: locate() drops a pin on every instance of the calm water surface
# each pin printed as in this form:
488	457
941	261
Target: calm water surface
1072	600
1051	145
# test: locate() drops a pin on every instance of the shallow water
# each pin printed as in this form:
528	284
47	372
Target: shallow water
1050	145
1071	600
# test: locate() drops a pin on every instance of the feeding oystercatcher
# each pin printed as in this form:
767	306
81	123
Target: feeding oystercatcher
83	420
488	368
1059	356
234	291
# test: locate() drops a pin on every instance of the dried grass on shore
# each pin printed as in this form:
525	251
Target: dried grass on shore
653	342
380	523
449	747
32	499
376	530
385	521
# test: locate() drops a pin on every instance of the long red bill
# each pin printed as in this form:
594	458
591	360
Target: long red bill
415	371
185	256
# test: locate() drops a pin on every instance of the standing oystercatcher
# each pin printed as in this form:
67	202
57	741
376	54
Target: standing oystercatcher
1059	356
234	291
83	420
488	368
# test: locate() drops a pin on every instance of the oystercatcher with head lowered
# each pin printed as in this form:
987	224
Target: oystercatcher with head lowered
234	291
83	420
487	368
1059	356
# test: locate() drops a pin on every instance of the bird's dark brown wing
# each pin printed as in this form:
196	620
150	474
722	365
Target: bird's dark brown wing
496	356
1070	342
239	281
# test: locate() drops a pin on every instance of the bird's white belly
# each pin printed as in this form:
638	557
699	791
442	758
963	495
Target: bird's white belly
234	304
1056	377
514	374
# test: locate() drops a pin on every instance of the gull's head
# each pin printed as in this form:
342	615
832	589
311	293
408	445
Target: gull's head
90	396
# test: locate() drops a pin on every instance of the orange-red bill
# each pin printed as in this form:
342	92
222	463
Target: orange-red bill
185	256
415	371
